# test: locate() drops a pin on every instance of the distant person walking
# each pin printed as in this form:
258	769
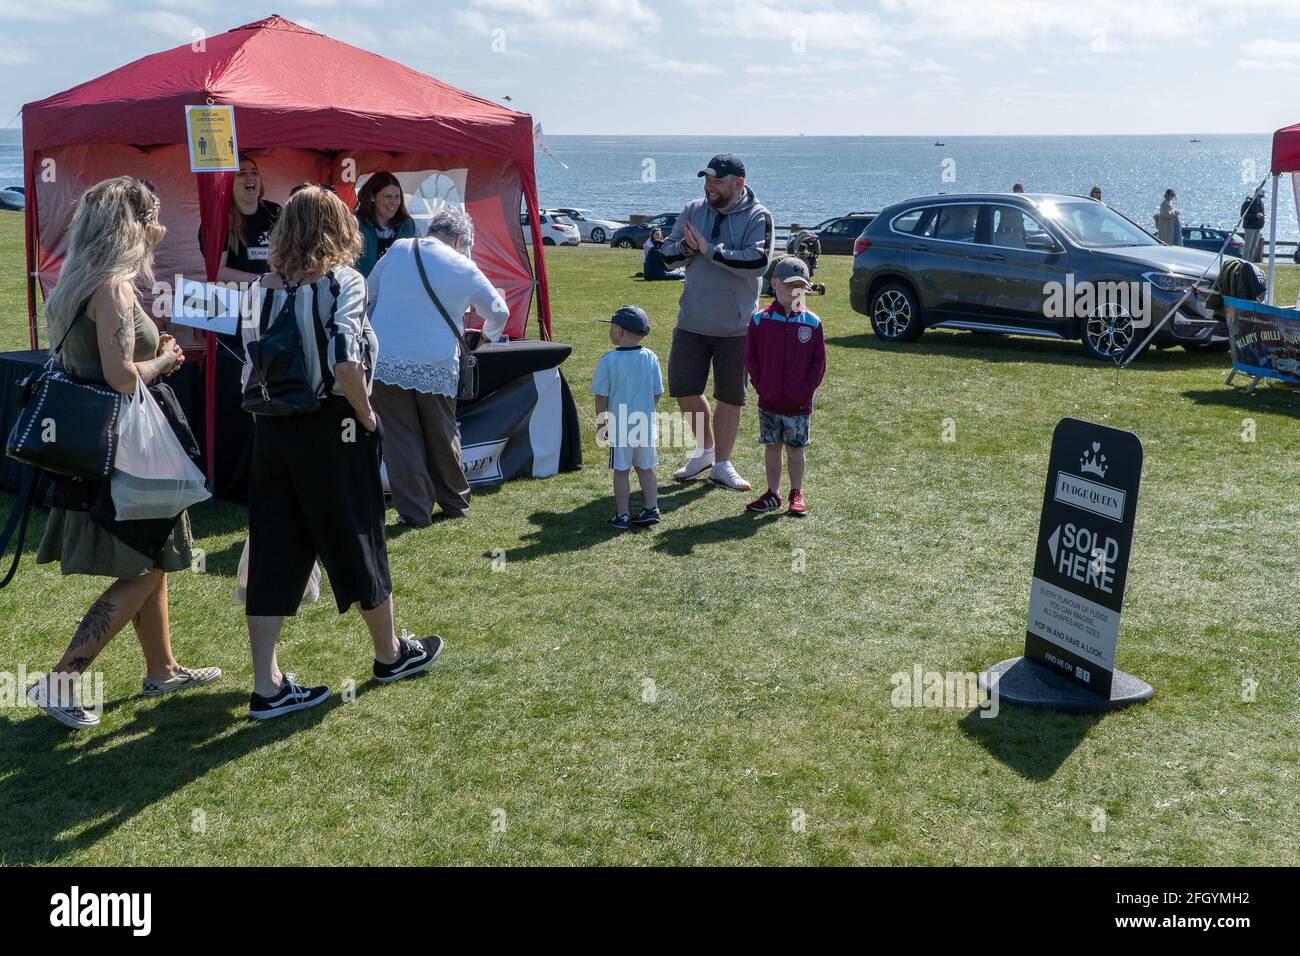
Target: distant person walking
725	239
1095	193
1169	223
1018	188
1252	212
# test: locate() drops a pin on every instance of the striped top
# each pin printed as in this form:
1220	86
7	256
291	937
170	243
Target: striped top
332	323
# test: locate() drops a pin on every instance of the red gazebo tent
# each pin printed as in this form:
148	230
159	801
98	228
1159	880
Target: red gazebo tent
1286	159
309	108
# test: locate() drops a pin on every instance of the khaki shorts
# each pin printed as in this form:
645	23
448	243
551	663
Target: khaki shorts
689	360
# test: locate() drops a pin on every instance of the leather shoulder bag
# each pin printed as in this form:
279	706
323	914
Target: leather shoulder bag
65	425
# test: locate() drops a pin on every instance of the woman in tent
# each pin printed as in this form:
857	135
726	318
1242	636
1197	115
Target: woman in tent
1169	225
382	218
107	337
314	490
418	375
248	226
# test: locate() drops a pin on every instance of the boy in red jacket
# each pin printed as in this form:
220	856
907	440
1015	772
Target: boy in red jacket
785	355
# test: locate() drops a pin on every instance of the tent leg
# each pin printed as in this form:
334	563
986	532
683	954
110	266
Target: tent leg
210	405
1272	242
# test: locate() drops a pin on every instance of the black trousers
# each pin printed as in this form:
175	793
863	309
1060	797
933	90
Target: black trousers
314	492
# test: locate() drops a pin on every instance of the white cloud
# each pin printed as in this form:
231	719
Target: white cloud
53	10
607	24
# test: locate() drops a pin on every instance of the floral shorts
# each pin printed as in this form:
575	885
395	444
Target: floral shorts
792	430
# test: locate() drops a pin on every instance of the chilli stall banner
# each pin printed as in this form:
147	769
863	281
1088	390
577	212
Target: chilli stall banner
1265	340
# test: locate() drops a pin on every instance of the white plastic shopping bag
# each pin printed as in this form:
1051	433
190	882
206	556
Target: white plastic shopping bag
152	476
241	580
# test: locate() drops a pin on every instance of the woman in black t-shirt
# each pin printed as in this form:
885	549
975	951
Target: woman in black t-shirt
249	227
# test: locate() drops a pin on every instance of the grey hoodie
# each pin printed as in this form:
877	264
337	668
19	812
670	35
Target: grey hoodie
720	294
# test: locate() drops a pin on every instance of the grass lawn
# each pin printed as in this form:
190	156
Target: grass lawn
535	739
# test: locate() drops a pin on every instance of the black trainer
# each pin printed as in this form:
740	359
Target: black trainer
416	656
646	516
291	697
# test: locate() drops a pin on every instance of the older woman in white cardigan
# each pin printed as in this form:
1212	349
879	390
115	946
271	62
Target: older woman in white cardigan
418	371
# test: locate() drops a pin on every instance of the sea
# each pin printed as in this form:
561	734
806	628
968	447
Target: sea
807	179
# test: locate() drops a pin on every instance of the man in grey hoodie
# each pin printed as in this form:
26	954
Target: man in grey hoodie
725	241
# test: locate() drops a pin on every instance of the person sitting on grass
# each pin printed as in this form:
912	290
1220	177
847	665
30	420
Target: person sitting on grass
654	269
785	355
627	385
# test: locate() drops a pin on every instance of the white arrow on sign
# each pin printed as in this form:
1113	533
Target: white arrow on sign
1053	541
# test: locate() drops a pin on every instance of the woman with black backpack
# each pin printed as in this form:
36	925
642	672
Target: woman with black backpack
314	486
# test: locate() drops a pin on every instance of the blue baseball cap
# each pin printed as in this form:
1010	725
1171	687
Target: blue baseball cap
632	318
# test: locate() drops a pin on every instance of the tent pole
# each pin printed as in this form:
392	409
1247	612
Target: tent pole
1272	241
30	245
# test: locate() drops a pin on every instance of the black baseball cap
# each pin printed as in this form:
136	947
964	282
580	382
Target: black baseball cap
724	164
632	318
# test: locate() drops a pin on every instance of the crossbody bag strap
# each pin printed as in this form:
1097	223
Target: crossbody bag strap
22	510
424	277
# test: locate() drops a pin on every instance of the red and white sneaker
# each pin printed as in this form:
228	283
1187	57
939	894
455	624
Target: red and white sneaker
769	501
797	506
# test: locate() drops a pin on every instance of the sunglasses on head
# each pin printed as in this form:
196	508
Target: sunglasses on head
325	186
147	184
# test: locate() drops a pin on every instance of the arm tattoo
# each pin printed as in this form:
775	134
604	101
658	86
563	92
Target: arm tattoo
124	336
93	630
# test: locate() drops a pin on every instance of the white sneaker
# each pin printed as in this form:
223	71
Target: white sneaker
68	712
695	466
724	475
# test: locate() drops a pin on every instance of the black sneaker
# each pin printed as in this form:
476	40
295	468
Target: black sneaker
416	656
620	522
292	696
646	516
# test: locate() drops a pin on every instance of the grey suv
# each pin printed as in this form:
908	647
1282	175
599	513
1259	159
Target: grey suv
1061	267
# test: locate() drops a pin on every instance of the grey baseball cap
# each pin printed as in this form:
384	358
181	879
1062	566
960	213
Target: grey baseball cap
632	318
724	164
793	271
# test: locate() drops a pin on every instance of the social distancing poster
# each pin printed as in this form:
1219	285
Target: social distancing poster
211	134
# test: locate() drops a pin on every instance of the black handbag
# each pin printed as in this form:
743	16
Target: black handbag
65	425
467	389
278	383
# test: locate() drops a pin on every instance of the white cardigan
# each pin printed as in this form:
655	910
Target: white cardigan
419	350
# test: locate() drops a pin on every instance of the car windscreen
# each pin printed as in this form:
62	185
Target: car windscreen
562	220
1094	226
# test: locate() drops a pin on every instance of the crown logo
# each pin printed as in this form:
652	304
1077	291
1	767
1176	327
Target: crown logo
1093	461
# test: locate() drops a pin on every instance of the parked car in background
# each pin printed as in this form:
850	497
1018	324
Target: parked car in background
556	230
590	228
12	198
1211	239
1017	263
837	235
634	236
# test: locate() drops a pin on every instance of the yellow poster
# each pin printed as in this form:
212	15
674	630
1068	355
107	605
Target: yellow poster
211	132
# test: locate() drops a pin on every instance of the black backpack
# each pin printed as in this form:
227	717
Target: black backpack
278	383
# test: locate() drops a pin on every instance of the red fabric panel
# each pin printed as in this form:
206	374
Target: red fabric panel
1286	150
214	191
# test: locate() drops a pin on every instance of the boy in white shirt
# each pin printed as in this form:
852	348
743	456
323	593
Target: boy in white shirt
627	385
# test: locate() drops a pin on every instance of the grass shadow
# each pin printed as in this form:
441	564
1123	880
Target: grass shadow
577	530
1033	743
62	797
1273	398
1024	348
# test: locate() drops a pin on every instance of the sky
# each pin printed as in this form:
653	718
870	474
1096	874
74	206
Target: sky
754	67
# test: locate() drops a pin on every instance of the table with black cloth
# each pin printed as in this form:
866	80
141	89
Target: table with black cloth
524	424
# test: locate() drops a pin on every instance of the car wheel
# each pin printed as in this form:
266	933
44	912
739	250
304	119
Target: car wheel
1109	333
598	235
895	315
548	242
624	243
